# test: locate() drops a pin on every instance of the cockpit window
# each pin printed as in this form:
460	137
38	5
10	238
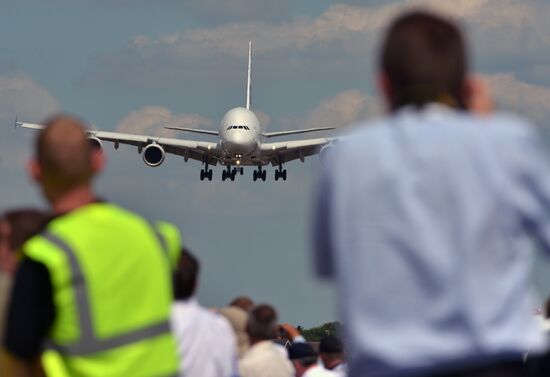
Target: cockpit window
238	127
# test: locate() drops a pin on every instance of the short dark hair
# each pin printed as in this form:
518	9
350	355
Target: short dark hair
307	361
186	275
424	58
303	353
24	224
262	322
243	302
331	345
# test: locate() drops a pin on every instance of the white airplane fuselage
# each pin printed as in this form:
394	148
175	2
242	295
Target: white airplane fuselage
240	136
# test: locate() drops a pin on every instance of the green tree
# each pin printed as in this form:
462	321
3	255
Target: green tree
315	334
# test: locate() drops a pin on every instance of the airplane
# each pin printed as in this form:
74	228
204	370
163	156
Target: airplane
241	143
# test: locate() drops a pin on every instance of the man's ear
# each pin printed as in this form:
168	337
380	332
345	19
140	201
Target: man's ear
477	95
98	161
35	170
384	87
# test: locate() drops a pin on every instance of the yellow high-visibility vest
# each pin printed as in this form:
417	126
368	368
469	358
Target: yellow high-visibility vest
110	272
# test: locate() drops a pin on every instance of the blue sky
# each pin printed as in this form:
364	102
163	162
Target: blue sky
132	64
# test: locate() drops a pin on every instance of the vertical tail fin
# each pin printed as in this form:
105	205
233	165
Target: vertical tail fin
248	88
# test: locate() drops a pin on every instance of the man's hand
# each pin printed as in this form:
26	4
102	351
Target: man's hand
289	332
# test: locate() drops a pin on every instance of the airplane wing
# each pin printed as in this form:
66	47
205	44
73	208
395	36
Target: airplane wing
286	151
294	132
195	150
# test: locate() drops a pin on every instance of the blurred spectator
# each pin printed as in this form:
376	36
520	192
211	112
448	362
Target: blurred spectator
237	317
95	285
243	302
206	342
304	359
16	227
264	358
427	235
331	352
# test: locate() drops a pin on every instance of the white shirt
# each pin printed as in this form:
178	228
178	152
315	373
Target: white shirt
318	371
341	370
266	359
205	341
427	239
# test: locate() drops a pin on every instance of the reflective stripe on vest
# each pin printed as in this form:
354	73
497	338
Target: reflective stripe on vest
88	342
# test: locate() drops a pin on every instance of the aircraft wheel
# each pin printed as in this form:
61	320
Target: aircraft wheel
284	175
264	175
210	175
276	175
202	175
242	170
255	175
224	175
232	177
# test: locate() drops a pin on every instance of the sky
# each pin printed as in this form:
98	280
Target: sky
134	65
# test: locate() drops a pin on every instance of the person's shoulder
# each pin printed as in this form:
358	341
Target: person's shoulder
367	130
216	319
356	137
497	122
319	371
504	128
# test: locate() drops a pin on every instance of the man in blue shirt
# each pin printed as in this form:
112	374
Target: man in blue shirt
424	216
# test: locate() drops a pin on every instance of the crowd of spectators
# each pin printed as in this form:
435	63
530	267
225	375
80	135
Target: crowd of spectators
209	345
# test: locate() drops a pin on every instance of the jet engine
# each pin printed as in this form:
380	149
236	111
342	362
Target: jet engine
95	143
153	155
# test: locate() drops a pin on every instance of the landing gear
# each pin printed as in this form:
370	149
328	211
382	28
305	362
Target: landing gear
260	174
280	173
206	173
229	174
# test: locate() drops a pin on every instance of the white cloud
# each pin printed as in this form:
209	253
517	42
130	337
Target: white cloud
507	35
511	94
22	97
215	10
343	109
151	120
341	22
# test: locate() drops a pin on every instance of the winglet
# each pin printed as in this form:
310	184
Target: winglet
16	122
248	86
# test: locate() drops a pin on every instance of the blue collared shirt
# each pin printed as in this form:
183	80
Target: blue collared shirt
424	219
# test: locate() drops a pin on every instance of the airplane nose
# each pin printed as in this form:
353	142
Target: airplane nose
237	143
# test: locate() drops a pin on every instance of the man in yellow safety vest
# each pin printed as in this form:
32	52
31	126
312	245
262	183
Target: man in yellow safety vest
95	286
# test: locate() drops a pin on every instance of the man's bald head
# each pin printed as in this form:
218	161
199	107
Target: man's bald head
63	154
